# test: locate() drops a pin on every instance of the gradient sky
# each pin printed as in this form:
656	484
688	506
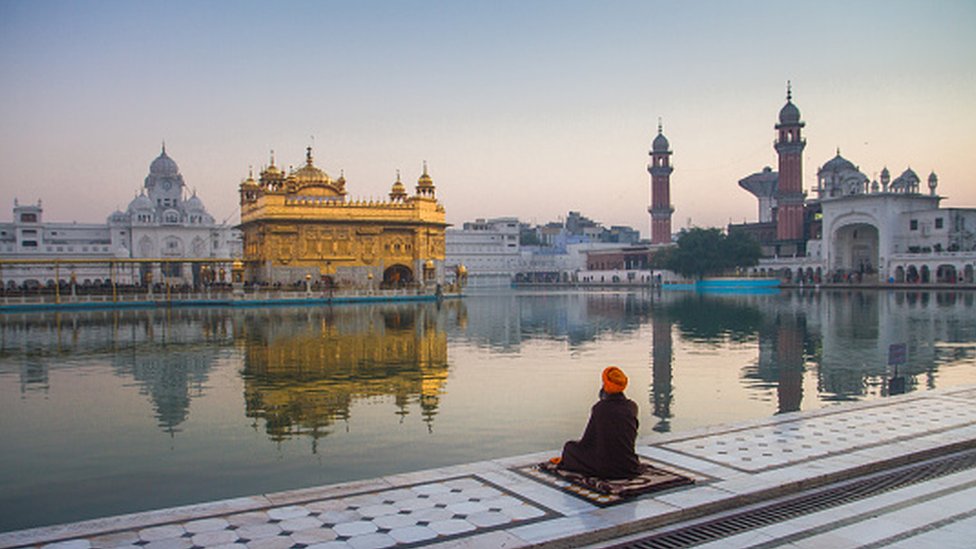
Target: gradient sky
520	108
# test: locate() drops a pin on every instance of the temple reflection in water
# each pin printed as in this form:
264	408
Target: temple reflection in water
302	373
304	369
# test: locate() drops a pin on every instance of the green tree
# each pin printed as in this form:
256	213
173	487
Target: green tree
703	252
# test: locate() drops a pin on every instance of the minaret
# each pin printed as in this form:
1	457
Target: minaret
789	193
660	169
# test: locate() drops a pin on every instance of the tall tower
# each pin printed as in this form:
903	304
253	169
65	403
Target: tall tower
660	169
789	193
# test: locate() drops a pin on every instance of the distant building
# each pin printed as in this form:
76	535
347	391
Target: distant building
660	170
300	226
164	221
855	229
489	249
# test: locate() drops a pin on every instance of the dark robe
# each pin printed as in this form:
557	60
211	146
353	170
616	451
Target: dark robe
607	447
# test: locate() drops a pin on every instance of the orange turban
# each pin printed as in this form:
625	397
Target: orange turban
614	380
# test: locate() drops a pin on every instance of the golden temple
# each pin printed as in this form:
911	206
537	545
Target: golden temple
300	227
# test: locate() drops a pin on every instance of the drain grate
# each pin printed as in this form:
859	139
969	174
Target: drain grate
829	497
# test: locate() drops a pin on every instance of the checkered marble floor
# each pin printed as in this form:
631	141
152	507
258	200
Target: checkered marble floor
806	438
490	504
408	516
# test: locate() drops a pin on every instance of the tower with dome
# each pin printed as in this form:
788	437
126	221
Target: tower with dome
853	229
660	169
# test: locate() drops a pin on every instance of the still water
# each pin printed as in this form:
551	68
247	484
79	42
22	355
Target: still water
109	412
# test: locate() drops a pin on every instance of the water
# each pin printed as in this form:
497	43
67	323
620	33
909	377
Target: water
109	412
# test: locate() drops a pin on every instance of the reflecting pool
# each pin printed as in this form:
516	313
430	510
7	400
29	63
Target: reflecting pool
109	412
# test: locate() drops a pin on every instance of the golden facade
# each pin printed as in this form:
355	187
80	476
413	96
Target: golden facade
300	226
301	380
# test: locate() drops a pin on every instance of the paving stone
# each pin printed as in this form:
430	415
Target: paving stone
412	534
214	537
277	542
115	539
314	535
157	533
372	541
169	543
258	531
431	515
301	523
357	528
69	544
373	511
338	517
290	512
394	521
327	505
206	525
451	527
467	508
488	519
253	517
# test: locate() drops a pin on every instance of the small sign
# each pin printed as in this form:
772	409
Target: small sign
897	354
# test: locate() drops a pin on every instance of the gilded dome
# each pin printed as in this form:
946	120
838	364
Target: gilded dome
309	174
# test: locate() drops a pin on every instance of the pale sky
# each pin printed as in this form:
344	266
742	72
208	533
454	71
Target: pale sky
523	108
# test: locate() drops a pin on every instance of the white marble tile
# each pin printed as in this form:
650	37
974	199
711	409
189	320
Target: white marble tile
558	528
372	541
300	523
412	534
490	540
357	528
313	536
156	533
214	537
451	527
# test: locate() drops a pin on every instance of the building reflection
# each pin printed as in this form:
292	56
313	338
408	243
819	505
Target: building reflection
503	322
304	372
167	353
662	359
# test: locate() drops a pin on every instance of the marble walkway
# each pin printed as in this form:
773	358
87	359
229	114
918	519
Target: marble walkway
496	504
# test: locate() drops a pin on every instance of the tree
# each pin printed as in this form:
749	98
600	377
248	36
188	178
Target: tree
702	252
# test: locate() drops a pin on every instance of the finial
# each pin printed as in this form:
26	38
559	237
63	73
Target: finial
342	174
838	151
308	155
164	146
425	167
398	175
272	157
660	128
250	171
789	91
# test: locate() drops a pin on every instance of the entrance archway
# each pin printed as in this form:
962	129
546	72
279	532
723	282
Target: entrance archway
397	276
945	274
855	249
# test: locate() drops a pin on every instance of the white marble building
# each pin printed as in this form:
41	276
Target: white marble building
164	221
488	248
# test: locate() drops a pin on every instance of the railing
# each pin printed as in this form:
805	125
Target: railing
223	296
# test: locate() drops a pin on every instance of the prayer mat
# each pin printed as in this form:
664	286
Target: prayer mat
603	492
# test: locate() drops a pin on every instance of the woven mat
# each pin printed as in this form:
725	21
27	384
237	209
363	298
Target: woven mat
604	492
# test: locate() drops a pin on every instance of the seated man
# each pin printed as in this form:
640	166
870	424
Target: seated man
607	447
